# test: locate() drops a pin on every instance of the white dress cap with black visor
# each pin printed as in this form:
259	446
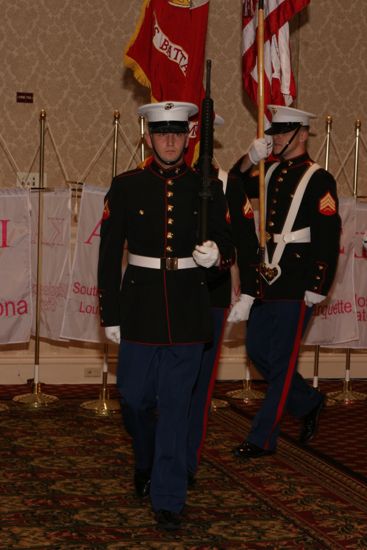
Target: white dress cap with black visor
168	116
285	119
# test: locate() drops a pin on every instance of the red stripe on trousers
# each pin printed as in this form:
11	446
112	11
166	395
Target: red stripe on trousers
291	366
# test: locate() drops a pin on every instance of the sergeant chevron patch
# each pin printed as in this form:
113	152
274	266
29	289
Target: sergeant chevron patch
247	210
327	205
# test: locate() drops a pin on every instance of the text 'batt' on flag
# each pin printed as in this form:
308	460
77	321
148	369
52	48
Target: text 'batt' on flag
167	51
279	83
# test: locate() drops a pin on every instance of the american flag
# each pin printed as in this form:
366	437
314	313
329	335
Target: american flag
279	83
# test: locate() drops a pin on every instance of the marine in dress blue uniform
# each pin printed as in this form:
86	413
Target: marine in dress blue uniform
302	248
162	307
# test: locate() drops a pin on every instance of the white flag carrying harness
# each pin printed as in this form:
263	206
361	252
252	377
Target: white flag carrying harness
272	270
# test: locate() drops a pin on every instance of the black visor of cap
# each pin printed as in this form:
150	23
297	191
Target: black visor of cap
169	127
282	127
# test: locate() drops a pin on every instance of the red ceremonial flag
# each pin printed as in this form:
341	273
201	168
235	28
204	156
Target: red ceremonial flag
167	51
279	83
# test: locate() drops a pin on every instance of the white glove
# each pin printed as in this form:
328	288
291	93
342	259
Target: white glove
260	149
241	309
113	334
206	254
311	298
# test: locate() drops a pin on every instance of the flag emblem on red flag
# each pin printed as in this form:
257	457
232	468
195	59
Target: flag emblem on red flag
167	51
279	83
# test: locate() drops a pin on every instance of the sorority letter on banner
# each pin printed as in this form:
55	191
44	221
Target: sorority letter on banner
81	319
15	266
335	321
54	259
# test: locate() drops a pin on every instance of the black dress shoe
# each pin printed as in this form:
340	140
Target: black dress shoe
249	450
167	520
311	422
142	482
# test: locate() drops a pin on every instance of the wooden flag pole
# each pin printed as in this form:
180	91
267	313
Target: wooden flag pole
260	125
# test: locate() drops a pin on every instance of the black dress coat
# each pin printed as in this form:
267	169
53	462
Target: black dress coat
156	211
304	266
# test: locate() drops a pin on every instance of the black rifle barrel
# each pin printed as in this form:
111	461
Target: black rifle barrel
206	154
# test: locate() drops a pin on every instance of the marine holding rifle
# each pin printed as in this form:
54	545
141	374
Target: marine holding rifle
278	293
160	312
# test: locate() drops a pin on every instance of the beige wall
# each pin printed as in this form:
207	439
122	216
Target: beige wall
69	54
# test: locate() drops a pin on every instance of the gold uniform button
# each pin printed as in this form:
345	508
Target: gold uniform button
170	221
271	224
276	189
170	207
321	267
318	278
280	179
168	248
169	194
274	201
284	171
169	235
272	212
141	212
169	182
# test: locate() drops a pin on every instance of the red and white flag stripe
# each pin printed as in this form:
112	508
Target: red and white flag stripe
279	83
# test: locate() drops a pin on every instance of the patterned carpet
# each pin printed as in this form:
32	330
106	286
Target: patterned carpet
66	483
341	439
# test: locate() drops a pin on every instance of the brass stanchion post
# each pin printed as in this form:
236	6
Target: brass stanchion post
247	393
37	398
104	406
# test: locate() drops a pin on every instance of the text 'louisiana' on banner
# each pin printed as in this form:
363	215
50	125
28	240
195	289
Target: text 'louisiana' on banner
279	82
167	53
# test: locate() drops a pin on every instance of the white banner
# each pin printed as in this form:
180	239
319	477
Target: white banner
15	266
54	259
360	277
81	318
335	320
